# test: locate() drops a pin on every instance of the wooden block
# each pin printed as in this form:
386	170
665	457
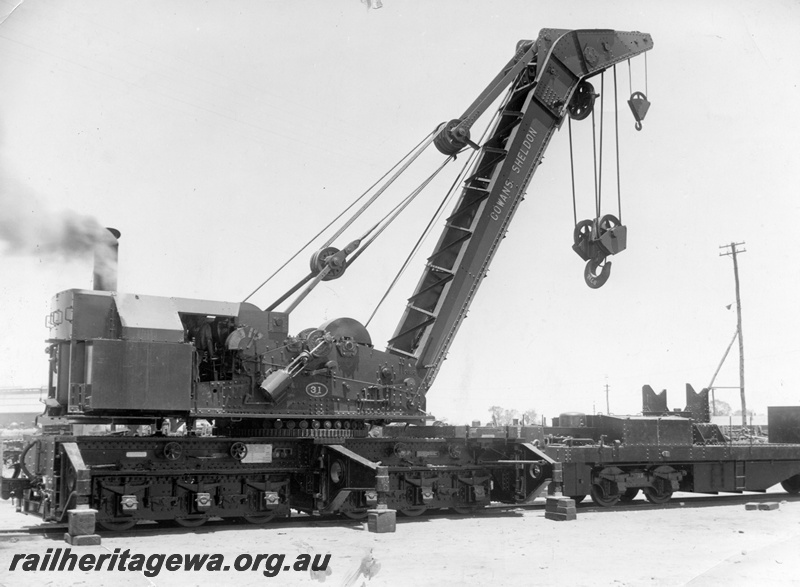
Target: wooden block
769	505
751	506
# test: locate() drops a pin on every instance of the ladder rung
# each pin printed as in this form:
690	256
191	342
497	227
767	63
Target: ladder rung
440	269
421	311
450	225
399	352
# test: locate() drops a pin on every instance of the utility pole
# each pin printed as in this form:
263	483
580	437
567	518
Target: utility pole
732	251
608	407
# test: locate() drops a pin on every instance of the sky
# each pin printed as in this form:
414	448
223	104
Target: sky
219	137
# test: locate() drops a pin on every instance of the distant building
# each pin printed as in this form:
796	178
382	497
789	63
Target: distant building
20	405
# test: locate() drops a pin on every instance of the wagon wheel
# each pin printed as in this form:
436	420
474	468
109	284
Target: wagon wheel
259	519
413	511
792	484
355	514
190	522
173	451
577	498
654	495
602	498
238	450
629	495
116	525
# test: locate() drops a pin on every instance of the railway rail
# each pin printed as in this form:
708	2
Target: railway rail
680	501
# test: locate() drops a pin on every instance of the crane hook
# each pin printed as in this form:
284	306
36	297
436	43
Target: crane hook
594	279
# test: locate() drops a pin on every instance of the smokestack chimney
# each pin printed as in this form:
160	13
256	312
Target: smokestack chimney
105	261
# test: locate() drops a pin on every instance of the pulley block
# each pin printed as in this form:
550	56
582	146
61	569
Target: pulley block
613	235
596	239
583	239
582	102
639	105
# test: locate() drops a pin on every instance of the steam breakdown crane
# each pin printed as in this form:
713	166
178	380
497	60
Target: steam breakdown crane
547	83
297	419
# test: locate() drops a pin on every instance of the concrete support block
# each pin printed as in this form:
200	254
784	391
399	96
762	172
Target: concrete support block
381	521
751	506
80	529
769	505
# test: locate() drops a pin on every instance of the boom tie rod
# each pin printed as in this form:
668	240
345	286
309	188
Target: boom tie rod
330	263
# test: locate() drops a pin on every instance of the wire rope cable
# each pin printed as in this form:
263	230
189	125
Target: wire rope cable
616	144
337	218
437	215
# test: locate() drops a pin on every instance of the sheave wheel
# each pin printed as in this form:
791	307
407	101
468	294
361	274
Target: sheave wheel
582	102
